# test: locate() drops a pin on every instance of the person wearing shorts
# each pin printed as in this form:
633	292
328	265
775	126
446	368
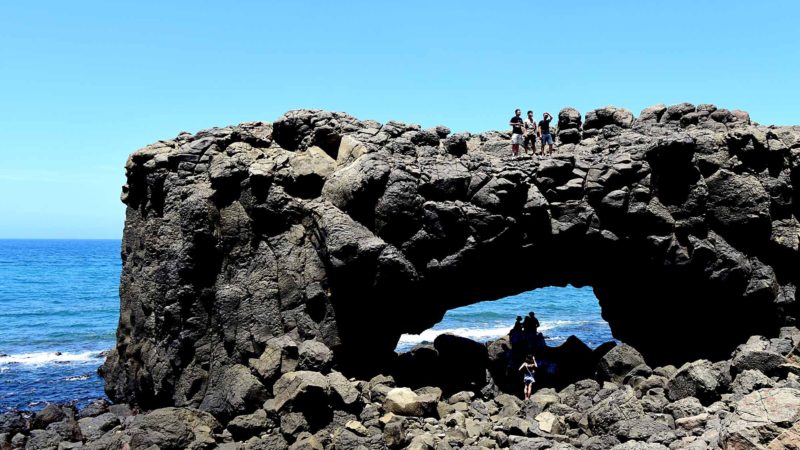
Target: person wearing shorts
528	367
544	133
516	132
530	133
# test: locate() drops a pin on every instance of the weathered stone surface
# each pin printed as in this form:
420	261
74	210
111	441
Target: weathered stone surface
405	402
315	229
622	404
760	417
299	391
173	429
700	379
618	362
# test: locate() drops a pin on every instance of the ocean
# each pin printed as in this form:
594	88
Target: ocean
59	307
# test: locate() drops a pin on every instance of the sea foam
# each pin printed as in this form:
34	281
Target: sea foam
480	334
42	358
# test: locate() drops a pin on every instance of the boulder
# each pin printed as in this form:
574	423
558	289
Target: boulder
314	356
639	429
92	428
700	379
674	113
466	362
618	362
760	417
749	381
51	413
42	440
766	362
173	429
608	115
300	391
342	390
249	425
621	404
652	113
685	407
456	144
405	402
12	423
94	409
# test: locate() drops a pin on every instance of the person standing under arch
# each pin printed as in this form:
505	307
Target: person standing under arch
527	368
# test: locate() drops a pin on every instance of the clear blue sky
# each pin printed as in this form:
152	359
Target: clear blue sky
84	83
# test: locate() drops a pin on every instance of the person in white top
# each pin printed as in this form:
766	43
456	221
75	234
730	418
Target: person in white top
530	133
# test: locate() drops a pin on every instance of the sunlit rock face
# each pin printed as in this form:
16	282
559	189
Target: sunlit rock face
244	244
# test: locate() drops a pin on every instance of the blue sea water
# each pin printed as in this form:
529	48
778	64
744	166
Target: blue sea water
59	306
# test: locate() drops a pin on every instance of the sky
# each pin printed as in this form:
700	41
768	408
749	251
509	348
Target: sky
85	83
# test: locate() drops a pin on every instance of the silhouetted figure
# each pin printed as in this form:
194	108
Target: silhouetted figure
518	344
534	322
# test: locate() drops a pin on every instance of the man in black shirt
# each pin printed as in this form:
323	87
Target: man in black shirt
516	132
544	132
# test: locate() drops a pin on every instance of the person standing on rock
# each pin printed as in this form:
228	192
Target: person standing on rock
530	133
516	132
544	133
527	368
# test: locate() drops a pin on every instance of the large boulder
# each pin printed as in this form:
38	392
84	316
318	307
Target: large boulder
300	391
465	361
618	362
608	115
700	379
314	356
173	429
757	354
621	404
405	402
760	417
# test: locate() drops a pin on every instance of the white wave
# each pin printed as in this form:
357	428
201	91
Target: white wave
78	378
482	334
42	358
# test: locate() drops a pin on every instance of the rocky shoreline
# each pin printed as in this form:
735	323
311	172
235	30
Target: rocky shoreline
751	400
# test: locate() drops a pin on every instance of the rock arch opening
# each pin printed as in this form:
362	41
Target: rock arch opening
474	348
561	311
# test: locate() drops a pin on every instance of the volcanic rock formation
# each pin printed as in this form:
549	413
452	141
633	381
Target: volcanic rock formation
312	243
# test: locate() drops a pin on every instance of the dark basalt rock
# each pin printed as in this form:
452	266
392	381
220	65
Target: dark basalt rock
324	228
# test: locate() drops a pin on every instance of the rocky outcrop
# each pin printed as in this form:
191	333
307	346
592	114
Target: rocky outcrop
258	251
645	408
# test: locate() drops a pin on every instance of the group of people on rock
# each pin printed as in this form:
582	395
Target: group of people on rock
526	132
525	341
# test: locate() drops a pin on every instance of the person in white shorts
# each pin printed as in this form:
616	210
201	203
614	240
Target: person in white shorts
517	137
530	134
